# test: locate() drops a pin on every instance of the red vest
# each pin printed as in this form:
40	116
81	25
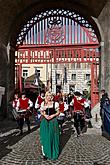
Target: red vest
24	103
56	98
77	104
40	100
61	107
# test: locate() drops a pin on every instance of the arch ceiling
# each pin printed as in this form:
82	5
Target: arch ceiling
16	13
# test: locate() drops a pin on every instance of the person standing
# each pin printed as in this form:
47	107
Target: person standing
49	129
106	117
104	95
24	104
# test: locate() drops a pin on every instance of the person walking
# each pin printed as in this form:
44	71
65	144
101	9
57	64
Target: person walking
24	104
49	129
79	121
61	116
104	95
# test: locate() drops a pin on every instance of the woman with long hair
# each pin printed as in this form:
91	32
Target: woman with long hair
49	129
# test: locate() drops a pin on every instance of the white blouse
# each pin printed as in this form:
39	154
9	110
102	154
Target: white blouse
44	107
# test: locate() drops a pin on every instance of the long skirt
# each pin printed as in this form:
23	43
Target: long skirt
49	137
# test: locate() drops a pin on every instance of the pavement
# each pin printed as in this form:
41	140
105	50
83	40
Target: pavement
89	149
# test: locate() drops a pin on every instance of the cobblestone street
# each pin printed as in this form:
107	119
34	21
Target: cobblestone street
89	149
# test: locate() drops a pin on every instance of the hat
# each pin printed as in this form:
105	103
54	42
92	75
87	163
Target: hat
77	93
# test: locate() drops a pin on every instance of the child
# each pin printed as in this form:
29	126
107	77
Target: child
38	102
15	108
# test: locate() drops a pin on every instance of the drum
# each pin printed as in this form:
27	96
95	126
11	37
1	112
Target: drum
22	113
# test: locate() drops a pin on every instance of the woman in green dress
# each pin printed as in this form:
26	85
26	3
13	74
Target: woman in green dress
49	129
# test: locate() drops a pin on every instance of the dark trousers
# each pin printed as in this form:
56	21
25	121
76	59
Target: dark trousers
60	122
21	122
79	122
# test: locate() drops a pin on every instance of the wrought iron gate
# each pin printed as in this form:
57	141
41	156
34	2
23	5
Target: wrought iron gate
59	36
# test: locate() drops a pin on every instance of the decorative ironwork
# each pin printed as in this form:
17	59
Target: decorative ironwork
39	23
55	33
71	37
55	21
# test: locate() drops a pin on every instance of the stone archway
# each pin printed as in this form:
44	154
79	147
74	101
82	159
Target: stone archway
15	15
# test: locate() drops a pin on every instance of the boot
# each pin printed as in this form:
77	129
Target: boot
29	130
21	132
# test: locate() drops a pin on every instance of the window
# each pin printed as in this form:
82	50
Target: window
25	73
73	77
87	76
58	76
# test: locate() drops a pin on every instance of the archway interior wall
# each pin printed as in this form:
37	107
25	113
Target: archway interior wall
104	21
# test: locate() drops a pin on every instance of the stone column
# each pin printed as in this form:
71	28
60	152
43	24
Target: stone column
102	66
3	78
7	77
104	20
11	73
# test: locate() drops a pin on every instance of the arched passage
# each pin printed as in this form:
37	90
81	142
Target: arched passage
16	14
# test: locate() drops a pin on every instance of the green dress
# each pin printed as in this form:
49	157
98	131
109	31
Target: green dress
49	135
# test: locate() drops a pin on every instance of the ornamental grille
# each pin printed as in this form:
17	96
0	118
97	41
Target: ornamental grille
57	27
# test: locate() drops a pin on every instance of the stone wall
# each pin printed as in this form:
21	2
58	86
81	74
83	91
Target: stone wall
104	20
3	77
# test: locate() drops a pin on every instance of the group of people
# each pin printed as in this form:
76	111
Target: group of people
51	110
22	110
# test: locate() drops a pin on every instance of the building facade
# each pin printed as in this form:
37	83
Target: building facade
71	77
63	77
